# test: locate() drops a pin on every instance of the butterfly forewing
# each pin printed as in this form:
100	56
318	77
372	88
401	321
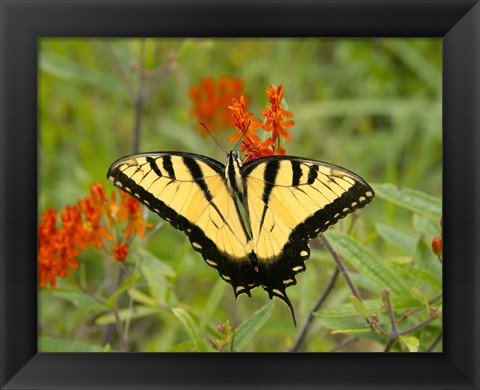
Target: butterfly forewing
189	192
291	200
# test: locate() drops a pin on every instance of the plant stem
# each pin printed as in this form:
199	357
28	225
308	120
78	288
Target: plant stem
342	267
343	344
435	343
118	67
417	327
388	305
303	332
138	100
390	344
394	332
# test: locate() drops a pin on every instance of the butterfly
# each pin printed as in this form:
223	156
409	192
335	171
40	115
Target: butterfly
252	222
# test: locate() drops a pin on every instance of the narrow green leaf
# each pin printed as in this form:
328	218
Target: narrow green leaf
138	311
247	329
357	256
66	69
396	238
184	346
411	342
79	299
157	274
423	298
418	274
372	306
425	259
428	228
213	301
127	283
351	331
154	264
140	297
51	344
358	305
342	323
413	200
191	328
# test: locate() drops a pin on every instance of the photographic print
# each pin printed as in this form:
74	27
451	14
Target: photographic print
240	195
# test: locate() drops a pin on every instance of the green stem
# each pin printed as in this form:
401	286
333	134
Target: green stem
306	326
342	267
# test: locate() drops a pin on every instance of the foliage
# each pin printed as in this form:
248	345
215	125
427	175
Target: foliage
371	105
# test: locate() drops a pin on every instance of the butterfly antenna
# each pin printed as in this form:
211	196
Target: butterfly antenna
210	134
249	154
241	138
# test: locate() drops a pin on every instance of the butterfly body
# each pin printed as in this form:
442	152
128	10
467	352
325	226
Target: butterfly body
286	201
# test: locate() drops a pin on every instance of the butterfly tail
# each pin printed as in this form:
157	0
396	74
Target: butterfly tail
283	296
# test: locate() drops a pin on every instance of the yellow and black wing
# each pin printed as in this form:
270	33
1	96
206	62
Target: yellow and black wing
291	200
189	191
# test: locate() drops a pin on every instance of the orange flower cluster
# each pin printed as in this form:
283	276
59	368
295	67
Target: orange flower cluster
82	225
211	99
252	146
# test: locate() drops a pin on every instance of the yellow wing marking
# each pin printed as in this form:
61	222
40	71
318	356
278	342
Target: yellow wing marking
288	205
182	194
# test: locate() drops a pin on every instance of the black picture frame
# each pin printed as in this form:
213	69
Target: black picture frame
23	22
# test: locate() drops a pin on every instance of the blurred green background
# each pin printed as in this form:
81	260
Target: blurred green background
370	105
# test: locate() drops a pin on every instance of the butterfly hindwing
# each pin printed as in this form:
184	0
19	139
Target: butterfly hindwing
291	200
189	192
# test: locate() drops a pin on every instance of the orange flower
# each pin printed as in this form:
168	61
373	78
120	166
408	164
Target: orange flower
242	119
47	262
210	101
82	226
73	225
66	252
274	114
93	229
252	146
121	251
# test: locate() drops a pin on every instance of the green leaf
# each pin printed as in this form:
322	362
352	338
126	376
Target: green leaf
413	200
51	344
411	342
426	227
213	301
184	346
398	239
66	69
191	328
79	299
156	273
154	264
247	329
358	305
357	256
351	331
418	274
423	298
138	311
127	283
372	306
140	297
425	260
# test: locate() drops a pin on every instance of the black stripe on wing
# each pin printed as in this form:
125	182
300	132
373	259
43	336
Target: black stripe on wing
356	197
